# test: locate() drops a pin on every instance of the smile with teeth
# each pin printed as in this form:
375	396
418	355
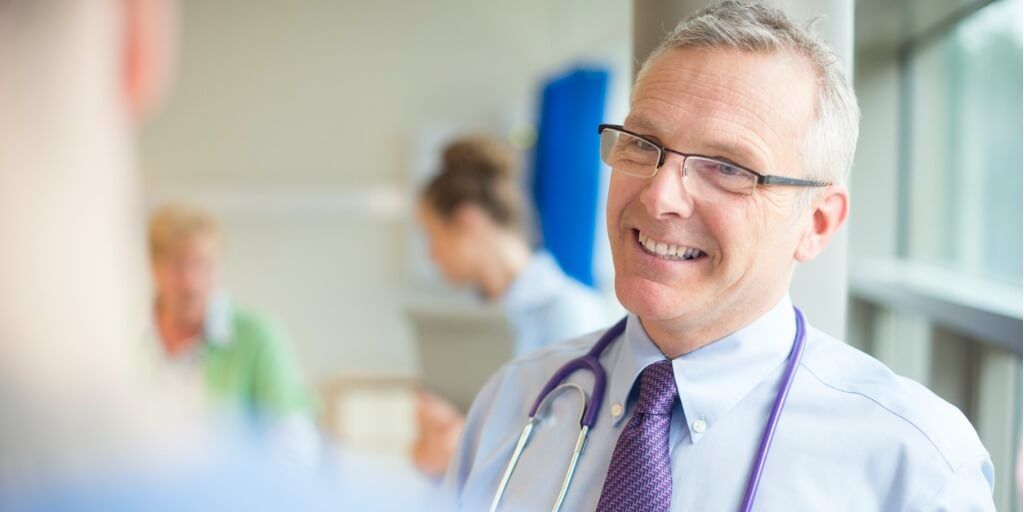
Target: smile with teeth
668	251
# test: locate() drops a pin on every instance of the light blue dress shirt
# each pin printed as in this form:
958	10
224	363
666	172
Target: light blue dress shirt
545	306
853	435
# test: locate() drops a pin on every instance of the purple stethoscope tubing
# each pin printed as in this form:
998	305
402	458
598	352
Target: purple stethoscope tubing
591	406
590	361
773	419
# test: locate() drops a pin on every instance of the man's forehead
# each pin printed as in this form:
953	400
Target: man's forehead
738	95
744	71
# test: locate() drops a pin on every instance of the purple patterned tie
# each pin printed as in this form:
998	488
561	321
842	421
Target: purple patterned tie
640	474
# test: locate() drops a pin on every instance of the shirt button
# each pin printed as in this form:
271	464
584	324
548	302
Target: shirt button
617	410
699	426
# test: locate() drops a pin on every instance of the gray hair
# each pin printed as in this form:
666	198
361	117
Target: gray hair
831	140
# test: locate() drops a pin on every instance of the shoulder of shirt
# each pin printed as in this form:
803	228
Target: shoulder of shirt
939	424
506	390
255	327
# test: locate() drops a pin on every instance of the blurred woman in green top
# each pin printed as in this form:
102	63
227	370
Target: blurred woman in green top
241	362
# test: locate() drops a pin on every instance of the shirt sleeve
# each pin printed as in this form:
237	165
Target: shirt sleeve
968	489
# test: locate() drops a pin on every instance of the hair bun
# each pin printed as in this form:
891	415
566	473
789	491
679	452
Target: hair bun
486	157
482	171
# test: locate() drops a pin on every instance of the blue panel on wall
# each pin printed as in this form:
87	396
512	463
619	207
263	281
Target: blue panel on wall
567	168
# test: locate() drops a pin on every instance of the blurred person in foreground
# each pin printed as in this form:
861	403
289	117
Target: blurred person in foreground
473	214
82	427
242	362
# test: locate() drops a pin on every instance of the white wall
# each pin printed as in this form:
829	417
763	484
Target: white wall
295	122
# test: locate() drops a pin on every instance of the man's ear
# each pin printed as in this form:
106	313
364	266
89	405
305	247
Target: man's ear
829	213
148	53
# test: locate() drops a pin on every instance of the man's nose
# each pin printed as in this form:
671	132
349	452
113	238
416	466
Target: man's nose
665	194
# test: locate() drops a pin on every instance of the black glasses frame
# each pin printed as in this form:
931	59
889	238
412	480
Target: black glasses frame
762	179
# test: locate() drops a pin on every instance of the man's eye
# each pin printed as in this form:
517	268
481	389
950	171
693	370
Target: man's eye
721	169
727	170
642	145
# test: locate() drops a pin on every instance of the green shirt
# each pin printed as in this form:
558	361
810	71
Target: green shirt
247	363
256	370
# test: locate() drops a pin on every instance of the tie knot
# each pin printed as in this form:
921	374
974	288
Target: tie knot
657	389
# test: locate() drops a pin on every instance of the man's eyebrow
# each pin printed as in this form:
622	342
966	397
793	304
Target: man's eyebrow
642	125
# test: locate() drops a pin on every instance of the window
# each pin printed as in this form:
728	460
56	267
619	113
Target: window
962	161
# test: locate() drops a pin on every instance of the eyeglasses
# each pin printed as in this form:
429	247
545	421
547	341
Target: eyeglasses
713	179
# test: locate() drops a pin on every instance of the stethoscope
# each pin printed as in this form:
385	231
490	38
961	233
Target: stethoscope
591	407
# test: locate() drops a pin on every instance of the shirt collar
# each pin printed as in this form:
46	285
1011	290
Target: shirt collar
218	329
713	379
541	279
636	353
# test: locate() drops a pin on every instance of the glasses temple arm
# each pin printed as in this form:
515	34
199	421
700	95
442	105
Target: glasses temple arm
782	180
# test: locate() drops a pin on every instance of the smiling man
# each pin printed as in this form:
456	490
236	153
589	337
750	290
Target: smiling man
728	171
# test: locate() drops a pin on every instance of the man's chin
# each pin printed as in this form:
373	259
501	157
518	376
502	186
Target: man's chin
651	300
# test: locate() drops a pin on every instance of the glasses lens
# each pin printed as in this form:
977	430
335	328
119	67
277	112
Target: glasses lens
629	154
718	179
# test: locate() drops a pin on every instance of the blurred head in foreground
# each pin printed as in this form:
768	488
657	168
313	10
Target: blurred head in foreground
77	407
78	79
